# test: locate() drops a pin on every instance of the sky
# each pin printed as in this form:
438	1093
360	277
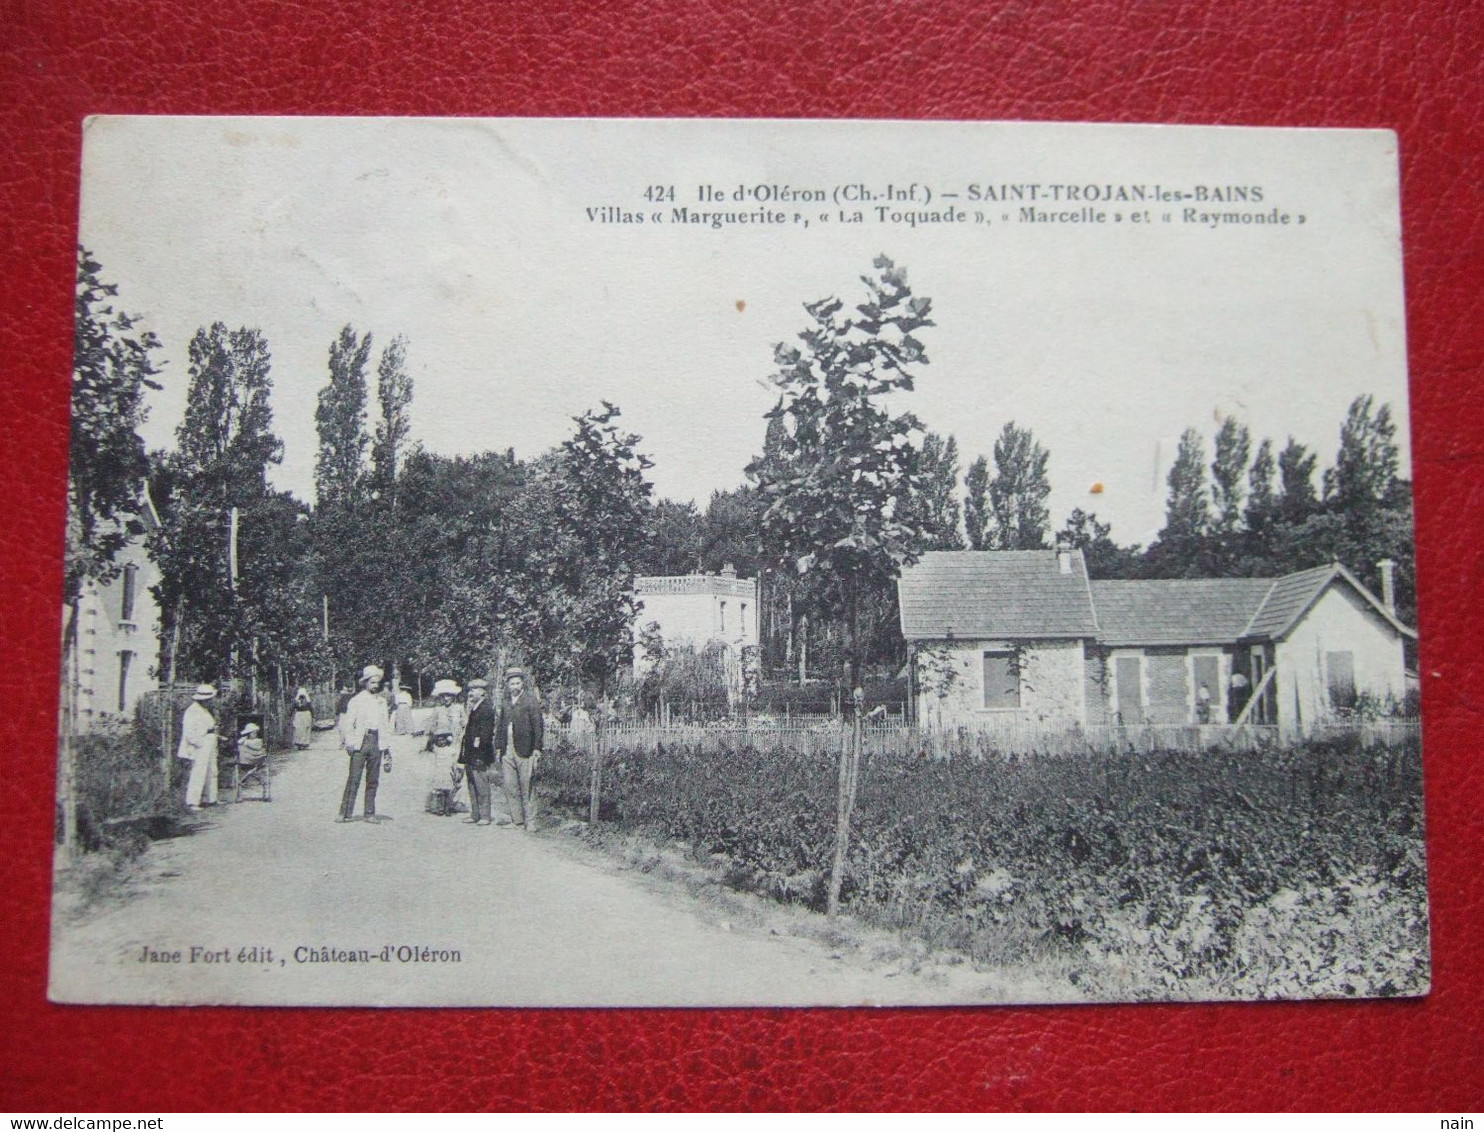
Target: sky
499	249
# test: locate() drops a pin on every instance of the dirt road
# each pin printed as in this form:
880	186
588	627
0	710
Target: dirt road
277	904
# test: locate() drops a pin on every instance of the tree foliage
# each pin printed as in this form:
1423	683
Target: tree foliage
394	398
1019	490
840	503
978	520
936	502
223	449
340	421
112	366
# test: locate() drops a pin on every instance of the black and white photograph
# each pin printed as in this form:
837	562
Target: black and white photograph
581	562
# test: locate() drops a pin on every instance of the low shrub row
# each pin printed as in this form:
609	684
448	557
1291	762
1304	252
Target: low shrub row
1255	874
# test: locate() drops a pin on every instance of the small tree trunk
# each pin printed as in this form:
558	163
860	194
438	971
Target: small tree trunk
595	776
167	727
850	761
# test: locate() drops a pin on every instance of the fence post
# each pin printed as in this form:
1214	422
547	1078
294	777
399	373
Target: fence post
595	775
850	761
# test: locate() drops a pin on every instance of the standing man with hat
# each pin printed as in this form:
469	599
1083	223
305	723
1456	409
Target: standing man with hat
366	732
198	747
521	732
477	752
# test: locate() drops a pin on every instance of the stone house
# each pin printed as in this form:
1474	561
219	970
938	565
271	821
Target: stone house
1025	637
698	609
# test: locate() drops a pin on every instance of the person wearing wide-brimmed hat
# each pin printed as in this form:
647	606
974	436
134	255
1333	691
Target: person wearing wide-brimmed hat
477	753
520	731
366	733
198	747
445	732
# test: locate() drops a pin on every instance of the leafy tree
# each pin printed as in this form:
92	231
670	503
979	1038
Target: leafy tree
1262	500
464	573
1228	473
675	540
840	502
978	520
1019	490
340	419
1179	551
937	504
1226	541
1365	470
112	366
599	499
394	396
224	446
1297	499
1105	558
731	531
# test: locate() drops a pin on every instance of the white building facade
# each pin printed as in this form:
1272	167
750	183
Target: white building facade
118	635
696	610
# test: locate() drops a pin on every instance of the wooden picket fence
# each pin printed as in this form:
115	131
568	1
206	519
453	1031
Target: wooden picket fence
825	735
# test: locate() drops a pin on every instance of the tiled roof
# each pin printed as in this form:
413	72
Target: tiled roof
1287	599
1203	611
1293	594
1022	595
1001	595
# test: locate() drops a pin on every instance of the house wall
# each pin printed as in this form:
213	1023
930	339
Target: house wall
1052	682
696	619
1167	684
103	635
1340	621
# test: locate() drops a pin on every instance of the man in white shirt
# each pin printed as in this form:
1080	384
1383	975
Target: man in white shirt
366	733
198	747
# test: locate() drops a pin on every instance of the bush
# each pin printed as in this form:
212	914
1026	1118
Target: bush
1295	870
121	785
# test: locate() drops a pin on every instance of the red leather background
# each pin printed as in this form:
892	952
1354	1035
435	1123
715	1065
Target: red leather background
1411	66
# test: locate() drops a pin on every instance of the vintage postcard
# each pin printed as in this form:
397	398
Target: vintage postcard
710	563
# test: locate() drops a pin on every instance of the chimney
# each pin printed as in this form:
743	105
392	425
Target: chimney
1388	585
1064	556
729	571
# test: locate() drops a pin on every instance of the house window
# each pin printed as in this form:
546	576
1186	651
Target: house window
723	606
1128	676
124	658
1340	672
1001	681
742	616
126	594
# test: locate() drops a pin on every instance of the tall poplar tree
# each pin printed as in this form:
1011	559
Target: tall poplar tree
223	449
1019	491
1179	552
978	519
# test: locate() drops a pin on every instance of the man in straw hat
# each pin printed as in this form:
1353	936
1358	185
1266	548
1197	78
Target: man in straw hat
477	753
520	732
198	747
366	732
445	730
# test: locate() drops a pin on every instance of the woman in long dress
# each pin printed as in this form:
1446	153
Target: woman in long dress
303	719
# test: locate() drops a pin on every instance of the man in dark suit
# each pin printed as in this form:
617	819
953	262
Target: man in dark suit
519	733
477	752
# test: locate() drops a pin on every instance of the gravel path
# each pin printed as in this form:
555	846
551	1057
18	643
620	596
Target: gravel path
446	914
